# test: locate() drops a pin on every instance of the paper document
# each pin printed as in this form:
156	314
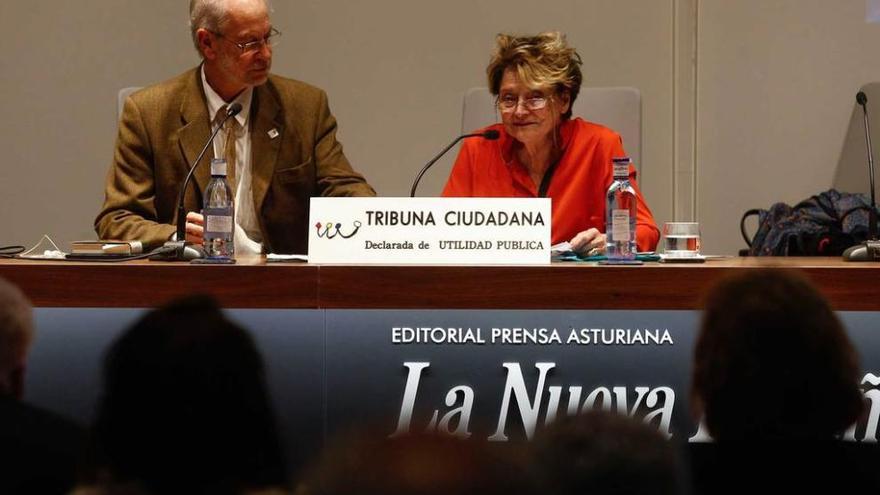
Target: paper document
281	258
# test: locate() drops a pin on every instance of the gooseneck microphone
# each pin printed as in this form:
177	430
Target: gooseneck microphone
872	225
175	250
491	135
870	250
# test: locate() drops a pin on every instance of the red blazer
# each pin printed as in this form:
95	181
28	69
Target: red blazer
577	189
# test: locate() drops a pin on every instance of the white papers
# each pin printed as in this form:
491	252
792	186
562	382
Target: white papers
288	258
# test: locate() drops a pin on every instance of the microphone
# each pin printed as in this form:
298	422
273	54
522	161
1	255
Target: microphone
491	135
178	250
870	250
233	110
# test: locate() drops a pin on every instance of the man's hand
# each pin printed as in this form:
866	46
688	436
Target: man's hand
590	242
195	229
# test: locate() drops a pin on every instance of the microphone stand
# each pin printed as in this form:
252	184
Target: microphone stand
491	135
870	249
178	249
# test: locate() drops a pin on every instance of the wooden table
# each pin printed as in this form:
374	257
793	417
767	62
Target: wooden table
253	283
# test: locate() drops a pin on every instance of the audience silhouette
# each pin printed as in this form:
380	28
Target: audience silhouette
39	450
604	453
184	409
777	381
417	464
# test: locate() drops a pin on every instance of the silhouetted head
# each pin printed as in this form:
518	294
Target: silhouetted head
16	334
185	404
419	464
772	360
603	453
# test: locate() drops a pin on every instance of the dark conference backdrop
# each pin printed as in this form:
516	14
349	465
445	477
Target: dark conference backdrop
484	374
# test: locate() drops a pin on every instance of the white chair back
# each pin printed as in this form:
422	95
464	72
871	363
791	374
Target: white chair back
120	99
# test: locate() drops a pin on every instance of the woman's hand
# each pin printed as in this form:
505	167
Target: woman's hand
590	242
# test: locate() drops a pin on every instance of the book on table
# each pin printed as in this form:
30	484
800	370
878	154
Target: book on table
103	247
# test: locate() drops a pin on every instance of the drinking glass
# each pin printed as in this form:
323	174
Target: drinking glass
681	239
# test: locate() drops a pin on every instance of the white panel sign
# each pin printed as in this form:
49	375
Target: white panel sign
504	231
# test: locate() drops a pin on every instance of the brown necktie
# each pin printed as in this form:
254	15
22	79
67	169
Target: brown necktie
231	129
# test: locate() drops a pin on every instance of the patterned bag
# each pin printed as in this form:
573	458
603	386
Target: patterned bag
823	225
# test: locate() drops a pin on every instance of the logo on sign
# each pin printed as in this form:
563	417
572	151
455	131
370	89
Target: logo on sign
330	230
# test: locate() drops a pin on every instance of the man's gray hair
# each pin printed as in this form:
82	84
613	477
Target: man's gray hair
16	326
210	15
207	14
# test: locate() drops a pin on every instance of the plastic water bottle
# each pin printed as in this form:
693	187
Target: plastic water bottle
620	211
219	213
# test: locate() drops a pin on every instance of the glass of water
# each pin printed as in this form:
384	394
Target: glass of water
681	239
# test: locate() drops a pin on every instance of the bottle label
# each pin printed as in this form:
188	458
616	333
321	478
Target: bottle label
620	226
218	222
621	170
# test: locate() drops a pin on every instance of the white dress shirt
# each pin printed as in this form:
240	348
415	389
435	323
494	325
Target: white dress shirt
248	238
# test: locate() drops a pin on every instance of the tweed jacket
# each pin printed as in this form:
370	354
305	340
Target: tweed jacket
295	155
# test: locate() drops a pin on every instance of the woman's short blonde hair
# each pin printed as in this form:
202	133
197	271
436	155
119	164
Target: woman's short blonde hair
542	61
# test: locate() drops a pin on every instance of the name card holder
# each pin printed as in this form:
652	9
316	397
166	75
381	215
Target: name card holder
448	231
